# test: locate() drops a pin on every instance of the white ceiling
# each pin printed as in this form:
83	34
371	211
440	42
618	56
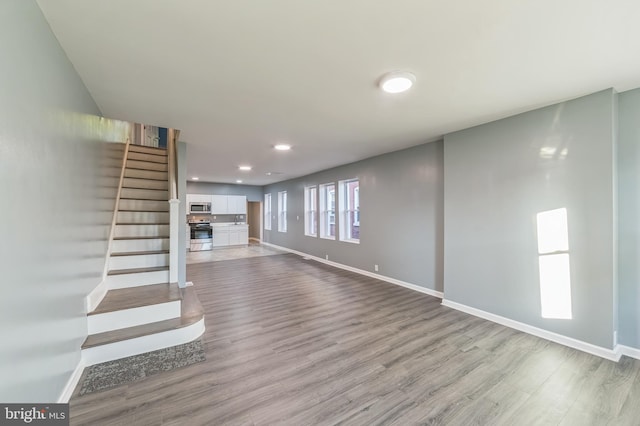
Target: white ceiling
239	76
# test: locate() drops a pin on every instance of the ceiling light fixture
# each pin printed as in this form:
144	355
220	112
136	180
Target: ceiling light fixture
244	168
239	181
397	81
195	178
282	147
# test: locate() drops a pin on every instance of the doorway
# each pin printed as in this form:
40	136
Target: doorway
254	220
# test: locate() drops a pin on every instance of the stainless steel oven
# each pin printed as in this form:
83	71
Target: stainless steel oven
201	236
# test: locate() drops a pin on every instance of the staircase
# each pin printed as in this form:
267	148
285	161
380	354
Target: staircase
142	310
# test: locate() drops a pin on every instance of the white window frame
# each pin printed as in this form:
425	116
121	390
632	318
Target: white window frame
267	212
282	211
349	211
311	211
327	211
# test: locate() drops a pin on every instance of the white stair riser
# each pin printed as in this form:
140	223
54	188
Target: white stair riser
143	217
116	320
147	150
140	345
145	184
144	194
136	280
146	165
141	231
139	261
144	205
146	174
141	156
128	246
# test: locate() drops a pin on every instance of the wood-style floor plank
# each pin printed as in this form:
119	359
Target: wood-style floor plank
295	342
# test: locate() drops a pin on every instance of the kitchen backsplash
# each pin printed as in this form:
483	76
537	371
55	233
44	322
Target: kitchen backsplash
218	218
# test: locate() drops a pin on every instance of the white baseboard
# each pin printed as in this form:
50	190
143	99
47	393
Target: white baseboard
415	287
610	354
629	351
94	298
65	396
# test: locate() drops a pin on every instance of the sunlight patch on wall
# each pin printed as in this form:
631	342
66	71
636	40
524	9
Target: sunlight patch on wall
554	265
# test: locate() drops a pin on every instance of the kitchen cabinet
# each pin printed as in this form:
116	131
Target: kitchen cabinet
220	236
230	235
219	204
237	204
198	198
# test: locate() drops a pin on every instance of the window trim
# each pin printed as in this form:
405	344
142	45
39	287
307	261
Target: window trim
267	212
324	233
311	215
347	210
282	211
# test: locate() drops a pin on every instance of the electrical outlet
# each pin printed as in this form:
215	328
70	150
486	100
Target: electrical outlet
375	268
326	257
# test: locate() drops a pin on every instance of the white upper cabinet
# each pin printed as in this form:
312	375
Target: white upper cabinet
197	198
219	204
237	204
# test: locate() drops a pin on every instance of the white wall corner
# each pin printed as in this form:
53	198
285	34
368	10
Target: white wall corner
405	284
94	298
73	381
628	351
610	354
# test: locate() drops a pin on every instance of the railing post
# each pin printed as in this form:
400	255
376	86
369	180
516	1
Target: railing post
174	208
174	223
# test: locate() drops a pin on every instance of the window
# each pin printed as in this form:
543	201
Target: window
328	211
349	203
311	211
282	211
267	212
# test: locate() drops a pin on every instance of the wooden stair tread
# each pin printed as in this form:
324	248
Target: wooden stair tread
145	149
145	189
137	270
139	253
135	297
191	312
161	237
142	223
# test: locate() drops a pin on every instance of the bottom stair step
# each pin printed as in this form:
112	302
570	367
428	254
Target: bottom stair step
191	311
139	339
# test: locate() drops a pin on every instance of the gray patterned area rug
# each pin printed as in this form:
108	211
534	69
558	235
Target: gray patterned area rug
114	373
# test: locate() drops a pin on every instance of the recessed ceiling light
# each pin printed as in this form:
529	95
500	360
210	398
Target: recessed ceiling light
195	178
244	168
397	81
239	181
268	173
282	147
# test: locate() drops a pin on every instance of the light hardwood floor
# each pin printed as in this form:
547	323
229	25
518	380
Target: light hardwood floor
295	342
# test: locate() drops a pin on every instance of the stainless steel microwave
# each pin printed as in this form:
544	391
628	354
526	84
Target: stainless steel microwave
203	208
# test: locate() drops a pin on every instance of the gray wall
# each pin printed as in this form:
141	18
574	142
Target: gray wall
497	179
55	214
401	216
629	218
253	193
